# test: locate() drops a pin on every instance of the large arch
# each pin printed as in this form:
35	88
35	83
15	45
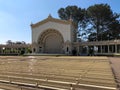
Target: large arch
50	41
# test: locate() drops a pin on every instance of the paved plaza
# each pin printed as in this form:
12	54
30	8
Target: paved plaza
115	64
57	73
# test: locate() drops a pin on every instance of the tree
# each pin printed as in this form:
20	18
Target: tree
18	42
23	42
9	42
98	22
28	50
77	15
102	20
114	30
92	37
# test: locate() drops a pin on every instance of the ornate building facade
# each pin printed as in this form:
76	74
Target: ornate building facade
53	36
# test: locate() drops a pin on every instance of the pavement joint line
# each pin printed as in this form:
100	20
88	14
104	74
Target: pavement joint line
27	84
5	81
33	85
84	85
51	87
87	85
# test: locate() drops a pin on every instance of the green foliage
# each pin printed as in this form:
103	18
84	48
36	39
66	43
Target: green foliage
102	21
28	50
22	52
70	12
78	15
98	21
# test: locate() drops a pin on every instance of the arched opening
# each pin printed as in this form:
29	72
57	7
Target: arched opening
53	44
52	41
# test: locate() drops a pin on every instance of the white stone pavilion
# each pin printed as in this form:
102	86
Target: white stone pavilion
55	36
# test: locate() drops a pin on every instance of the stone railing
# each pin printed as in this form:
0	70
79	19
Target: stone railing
14	45
93	43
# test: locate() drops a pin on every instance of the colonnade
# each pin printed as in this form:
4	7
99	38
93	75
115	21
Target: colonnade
13	49
99	47
109	49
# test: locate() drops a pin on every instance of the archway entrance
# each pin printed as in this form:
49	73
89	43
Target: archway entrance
52	41
53	44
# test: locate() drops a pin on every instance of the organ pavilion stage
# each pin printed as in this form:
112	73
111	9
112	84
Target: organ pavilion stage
55	36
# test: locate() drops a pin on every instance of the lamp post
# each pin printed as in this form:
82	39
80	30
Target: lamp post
3	49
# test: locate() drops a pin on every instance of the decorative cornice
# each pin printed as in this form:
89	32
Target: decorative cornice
51	19
47	32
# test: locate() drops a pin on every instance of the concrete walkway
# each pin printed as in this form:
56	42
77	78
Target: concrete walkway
115	64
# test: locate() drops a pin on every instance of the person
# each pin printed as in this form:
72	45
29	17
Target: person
91	52
74	52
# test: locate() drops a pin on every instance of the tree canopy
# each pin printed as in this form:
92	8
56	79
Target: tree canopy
77	14
9	42
102	21
97	22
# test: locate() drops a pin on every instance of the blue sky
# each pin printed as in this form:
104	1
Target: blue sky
17	15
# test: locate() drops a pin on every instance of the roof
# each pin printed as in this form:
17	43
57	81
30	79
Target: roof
50	18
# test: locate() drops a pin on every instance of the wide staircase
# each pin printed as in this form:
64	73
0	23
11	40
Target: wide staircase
56	73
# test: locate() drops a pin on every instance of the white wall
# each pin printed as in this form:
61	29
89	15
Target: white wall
64	29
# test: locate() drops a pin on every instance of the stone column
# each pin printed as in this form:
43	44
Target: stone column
78	50
101	48
108	49
115	48
119	48
87	50
97	50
